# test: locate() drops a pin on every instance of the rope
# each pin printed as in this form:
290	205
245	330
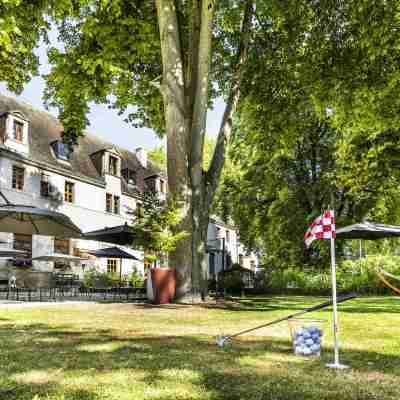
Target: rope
388	284
383	272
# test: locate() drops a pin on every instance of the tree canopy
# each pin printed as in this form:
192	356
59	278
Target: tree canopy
305	138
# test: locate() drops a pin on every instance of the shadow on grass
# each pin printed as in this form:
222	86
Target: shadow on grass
248	369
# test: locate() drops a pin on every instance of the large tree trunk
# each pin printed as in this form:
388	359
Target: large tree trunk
177	131
185	87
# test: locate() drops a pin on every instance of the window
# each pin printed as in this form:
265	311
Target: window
45	186
116	205
112	203
69	192
62	150
18	178
241	260
112	265
61	246
252	265
108	202
130	176
18	131
227	236
113	165
162	186
212	264
24	243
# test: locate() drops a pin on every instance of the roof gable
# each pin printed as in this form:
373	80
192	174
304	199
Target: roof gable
44	129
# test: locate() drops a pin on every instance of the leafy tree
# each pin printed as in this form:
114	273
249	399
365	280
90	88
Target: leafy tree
276	193
159	156
154	228
161	62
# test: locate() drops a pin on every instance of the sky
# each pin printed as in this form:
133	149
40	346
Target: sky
106	123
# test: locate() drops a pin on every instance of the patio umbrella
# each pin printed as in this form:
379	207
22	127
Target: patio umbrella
59	257
113	252
11	253
368	230
29	220
120	234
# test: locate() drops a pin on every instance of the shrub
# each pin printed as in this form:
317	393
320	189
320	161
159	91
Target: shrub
95	278
136	279
232	282
352	276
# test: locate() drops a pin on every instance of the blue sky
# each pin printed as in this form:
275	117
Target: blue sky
104	122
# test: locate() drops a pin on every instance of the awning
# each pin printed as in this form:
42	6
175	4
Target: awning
59	257
11	253
368	230
112	252
121	234
28	220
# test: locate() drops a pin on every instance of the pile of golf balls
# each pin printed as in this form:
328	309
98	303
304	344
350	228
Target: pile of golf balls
307	341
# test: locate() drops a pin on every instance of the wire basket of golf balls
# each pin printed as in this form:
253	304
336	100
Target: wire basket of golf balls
306	336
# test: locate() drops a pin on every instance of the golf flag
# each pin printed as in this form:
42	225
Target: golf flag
321	228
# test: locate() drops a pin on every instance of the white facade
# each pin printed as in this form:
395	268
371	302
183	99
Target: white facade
87	209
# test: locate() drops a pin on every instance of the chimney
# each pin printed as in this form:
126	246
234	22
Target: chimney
141	155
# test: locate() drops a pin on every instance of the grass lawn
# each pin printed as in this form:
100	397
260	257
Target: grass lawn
109	351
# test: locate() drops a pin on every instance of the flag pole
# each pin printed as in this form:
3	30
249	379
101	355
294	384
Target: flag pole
335	325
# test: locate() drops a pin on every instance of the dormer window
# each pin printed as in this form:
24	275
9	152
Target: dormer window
113	165
61	150
18	131
129	175
14	131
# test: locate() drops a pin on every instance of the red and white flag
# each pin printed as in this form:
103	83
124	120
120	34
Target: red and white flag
322	228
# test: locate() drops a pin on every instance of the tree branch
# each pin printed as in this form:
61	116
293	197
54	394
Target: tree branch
214	172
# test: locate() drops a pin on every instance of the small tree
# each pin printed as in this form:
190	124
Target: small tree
155	226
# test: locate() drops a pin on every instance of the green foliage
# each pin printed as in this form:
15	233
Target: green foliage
159	156
357	276
292	157
136	279
94	278
156	227
232	281
22	25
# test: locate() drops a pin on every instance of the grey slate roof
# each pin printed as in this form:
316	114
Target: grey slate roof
44	129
